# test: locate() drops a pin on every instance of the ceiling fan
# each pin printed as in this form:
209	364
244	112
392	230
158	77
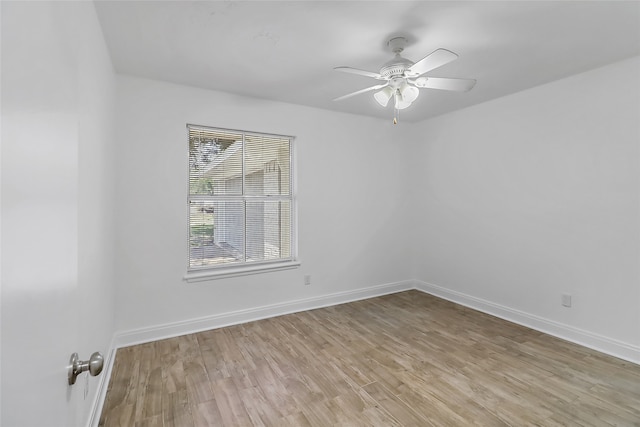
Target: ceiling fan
403	78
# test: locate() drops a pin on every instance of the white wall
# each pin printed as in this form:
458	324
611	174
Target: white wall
536	194
57	195
352	213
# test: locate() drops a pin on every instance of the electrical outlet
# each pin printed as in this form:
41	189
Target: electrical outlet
566	300
307	280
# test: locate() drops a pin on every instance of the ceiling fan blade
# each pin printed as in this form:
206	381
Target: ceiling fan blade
369	89
435	59
443	83
359	72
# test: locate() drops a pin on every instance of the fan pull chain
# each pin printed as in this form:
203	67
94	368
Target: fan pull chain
396	116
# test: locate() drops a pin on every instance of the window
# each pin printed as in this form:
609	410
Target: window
241	201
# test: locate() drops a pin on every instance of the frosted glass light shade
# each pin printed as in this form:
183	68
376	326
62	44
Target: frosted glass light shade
410	93
383	96
400	103
405	96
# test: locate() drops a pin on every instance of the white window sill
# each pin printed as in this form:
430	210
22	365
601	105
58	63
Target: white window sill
223	273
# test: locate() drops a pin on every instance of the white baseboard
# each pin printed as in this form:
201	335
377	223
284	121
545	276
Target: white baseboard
591	340
169	330
103	385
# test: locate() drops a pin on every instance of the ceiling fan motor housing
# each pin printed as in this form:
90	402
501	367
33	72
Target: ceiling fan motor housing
396	67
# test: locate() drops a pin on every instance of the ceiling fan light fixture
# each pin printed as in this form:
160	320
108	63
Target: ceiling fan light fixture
382	97
405	96
409	93
401	104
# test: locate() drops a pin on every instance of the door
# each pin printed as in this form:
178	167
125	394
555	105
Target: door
39	182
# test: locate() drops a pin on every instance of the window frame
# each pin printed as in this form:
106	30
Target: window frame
201	273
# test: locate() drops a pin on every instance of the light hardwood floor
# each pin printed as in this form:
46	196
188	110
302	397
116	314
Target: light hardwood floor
407	359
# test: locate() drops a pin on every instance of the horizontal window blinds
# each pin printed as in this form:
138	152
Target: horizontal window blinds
240	198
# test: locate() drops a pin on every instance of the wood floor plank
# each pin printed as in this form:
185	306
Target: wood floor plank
398	409
406	359
229	402
451	404
294	420
176	410
197	384
155	421
260	410
206	414
174	378
318	414
118	416
151	401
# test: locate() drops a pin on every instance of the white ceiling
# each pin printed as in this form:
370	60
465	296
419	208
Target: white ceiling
286	50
